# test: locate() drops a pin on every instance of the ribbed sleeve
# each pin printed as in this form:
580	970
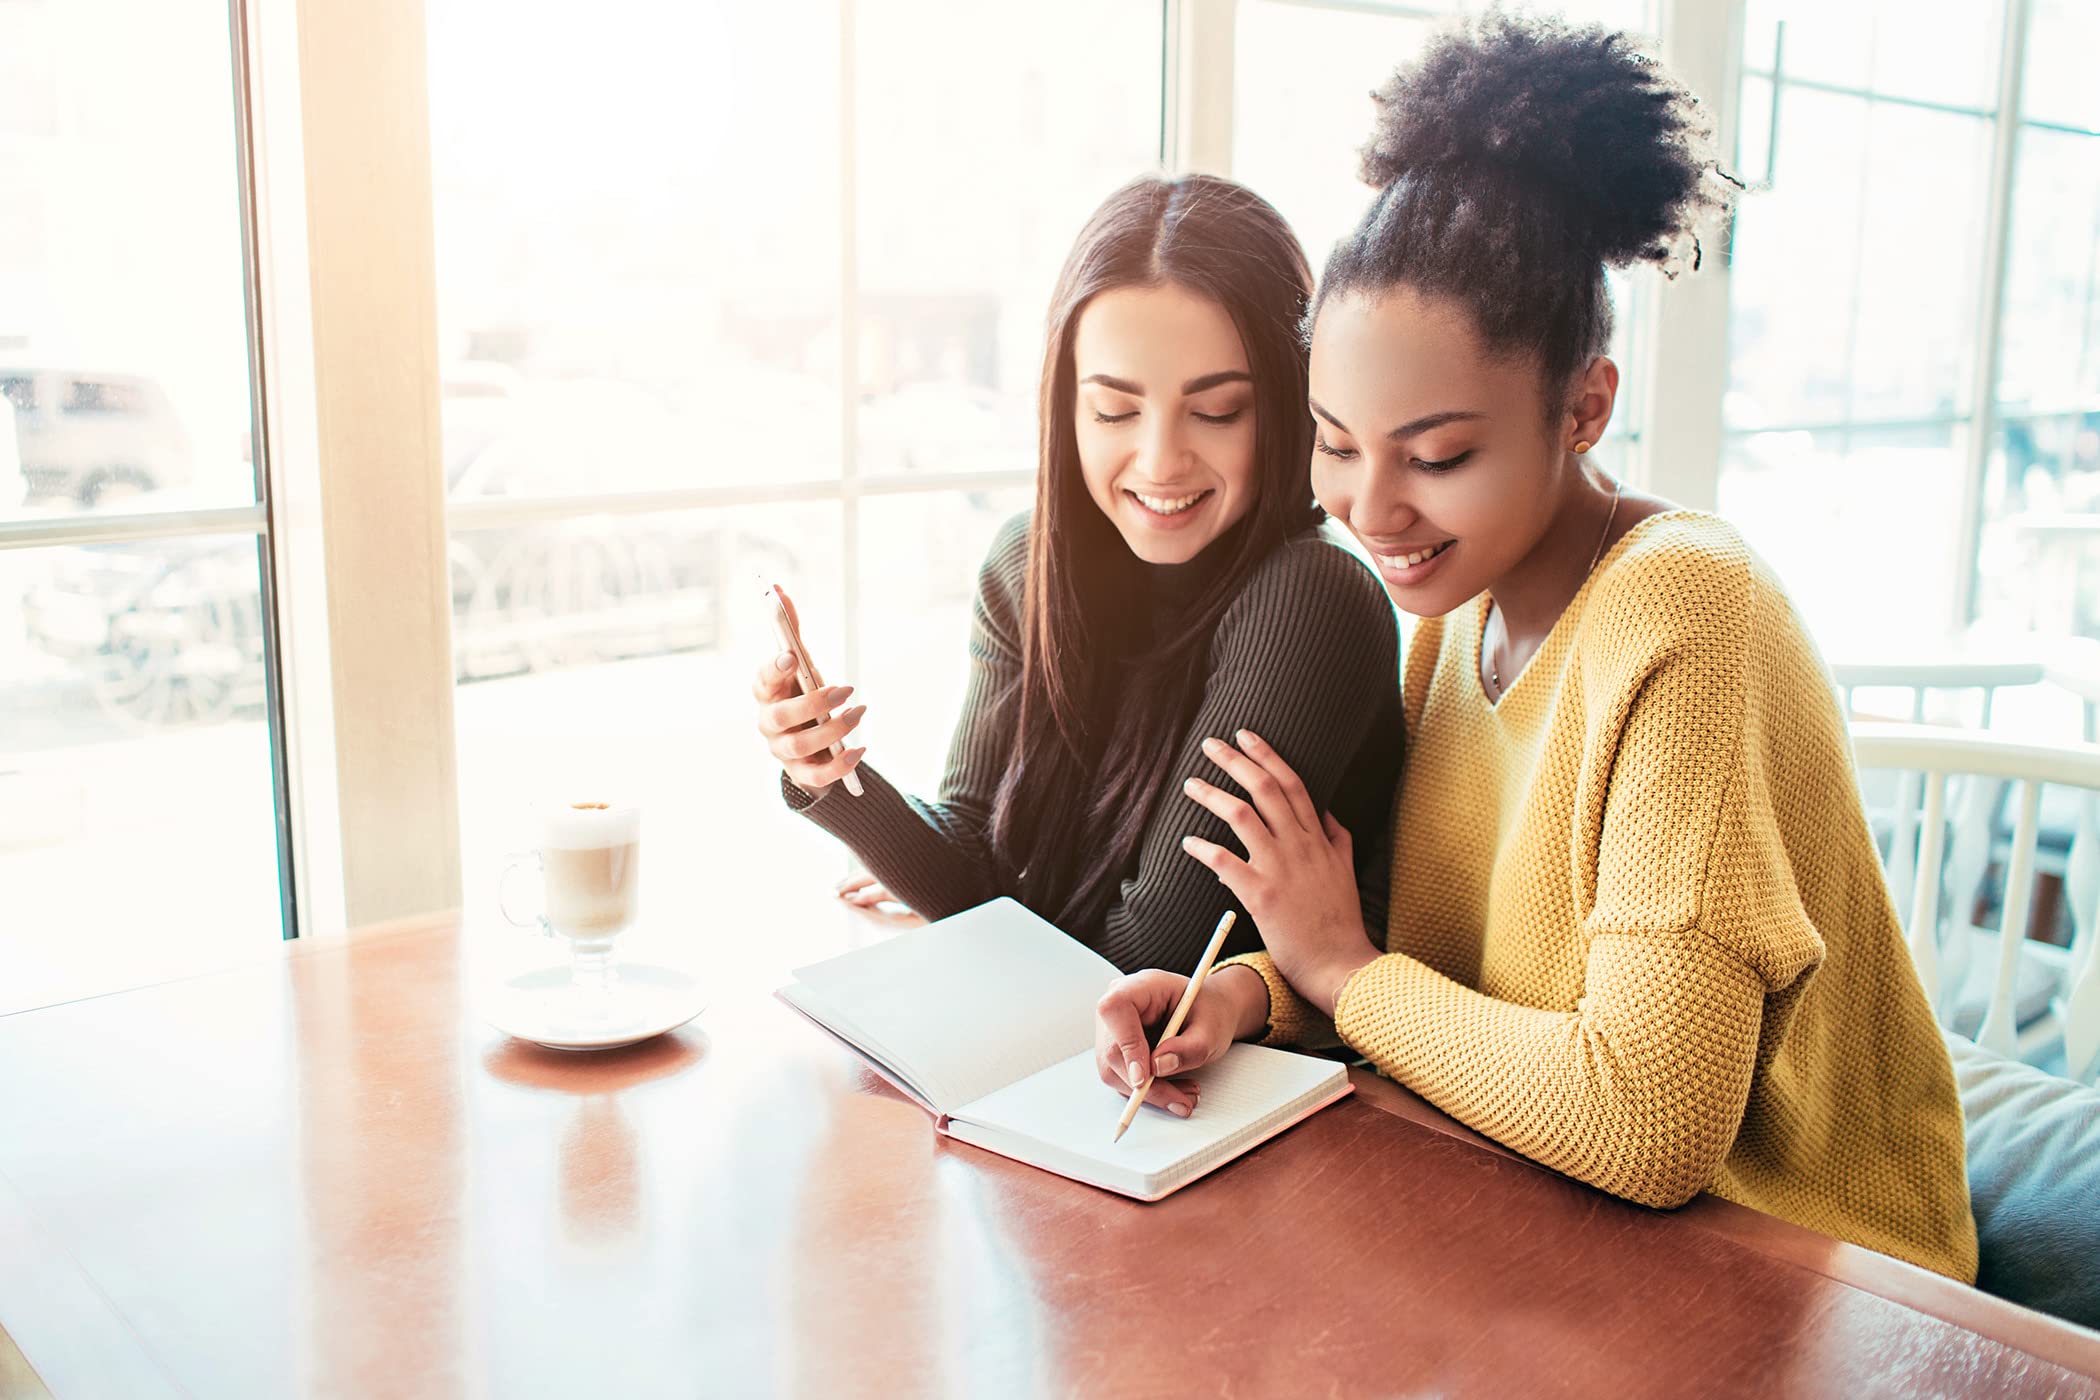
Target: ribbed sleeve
936	856
1306	656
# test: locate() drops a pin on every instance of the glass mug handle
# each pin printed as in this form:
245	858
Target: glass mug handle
537	922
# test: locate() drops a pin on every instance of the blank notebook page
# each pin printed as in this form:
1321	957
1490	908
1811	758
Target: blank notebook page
1068	1107
979	999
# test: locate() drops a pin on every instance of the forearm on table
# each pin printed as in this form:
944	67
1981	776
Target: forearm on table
932	856
1639	1093
1287	1019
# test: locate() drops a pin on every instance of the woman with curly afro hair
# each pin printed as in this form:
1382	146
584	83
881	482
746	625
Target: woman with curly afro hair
1636	923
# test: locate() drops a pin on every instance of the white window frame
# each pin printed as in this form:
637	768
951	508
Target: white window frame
256	520
347	371
1978	425
1682	341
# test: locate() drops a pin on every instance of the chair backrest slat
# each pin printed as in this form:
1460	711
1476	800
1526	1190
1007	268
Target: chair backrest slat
1963	776
1999	1032
1924	923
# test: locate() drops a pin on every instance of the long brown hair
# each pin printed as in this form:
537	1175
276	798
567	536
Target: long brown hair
1101	711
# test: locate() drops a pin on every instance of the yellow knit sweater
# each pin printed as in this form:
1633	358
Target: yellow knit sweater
1638	930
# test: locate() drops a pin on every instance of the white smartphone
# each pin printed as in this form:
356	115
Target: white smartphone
789	626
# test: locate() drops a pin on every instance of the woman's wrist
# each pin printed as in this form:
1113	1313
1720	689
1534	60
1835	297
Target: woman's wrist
1323	985
1249	992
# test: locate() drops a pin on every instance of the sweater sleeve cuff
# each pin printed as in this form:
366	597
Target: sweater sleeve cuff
801	798
1292	1019
797	797
1374	998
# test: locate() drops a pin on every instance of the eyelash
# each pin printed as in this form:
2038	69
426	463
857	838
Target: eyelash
1433	468
1218	420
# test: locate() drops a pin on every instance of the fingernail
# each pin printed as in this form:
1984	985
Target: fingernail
1179	1110
1137	1074
1212	745
785	661
838	693
1166	1064
1188	843
1245	737
1189	784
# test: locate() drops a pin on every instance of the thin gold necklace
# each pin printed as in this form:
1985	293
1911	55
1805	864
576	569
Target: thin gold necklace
1617	485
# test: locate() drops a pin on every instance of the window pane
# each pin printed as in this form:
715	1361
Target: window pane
2050	358
921	554
646	267
1870	204
2041	498
1302	86
1861	527
985	136
616	655
1302	108
137	819
1933	50
123	335
2058	86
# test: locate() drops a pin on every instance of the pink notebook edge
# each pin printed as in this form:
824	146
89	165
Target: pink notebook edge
1347	1087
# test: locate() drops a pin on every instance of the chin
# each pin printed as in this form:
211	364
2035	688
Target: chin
1174	549
1440	601
1169	539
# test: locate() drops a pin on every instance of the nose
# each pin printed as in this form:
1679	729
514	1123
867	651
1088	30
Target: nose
1380	504
1164	452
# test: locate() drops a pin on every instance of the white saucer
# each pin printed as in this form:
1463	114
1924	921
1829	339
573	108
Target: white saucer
647	1001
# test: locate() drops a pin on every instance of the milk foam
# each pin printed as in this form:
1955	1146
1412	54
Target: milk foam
590	826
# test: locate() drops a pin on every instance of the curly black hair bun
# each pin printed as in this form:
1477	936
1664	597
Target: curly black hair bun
1543	112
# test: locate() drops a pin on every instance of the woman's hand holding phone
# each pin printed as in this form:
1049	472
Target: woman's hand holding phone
791	730
800	729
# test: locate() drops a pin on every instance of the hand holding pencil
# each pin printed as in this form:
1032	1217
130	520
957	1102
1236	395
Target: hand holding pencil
1202	1016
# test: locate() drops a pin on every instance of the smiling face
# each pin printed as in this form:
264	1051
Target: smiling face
1164	418
1432	451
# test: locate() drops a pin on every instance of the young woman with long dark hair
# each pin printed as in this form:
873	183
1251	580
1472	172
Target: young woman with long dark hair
1171	582
1638	929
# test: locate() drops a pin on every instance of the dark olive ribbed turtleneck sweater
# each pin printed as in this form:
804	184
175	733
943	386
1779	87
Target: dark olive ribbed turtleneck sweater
1307	656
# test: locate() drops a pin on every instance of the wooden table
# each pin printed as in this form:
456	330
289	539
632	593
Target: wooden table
321	1175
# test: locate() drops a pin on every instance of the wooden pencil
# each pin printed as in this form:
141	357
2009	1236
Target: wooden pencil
1181	1013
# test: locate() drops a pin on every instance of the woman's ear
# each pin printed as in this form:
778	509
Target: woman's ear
1589	407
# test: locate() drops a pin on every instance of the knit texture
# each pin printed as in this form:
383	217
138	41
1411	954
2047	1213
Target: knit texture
1307	656
1638	929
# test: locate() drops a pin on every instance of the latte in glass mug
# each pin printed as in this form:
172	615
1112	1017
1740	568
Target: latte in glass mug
590	853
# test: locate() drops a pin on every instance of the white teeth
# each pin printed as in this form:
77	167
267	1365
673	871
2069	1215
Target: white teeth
1161	505
1420	556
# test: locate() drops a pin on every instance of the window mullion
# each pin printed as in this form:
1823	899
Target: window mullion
1687	363
1196	104
1990	317
849	335
379	497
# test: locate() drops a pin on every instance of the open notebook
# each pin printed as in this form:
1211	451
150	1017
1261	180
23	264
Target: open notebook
987	1019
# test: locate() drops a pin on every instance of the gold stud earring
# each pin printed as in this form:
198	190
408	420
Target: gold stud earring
1582	447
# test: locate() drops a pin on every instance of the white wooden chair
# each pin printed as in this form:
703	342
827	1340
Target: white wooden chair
1962	763
1925	676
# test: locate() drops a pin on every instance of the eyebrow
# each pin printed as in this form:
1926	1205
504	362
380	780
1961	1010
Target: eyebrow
1413	426
1194	386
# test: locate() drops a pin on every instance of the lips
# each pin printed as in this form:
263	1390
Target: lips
1410	566
1415	554
1167	505
1168	512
